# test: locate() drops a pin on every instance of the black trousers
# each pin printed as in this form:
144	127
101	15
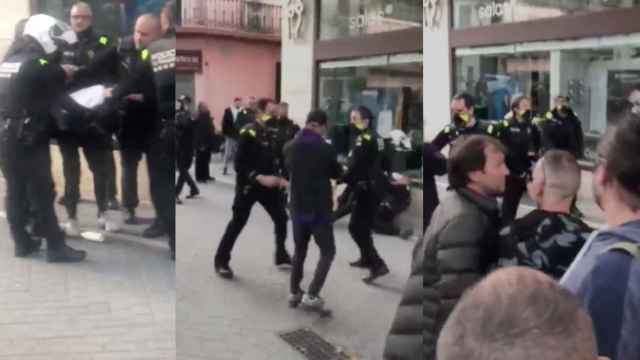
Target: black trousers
272	201
112	189
323	236
515	187
185	177
203	158
130	159
27	170
97	158
161	167
361	225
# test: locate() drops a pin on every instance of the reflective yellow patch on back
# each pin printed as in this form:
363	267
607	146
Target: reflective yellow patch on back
366	137
43	62
145	54
103	40
447	130
549	115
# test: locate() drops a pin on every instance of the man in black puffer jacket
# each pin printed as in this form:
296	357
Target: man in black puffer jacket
457	250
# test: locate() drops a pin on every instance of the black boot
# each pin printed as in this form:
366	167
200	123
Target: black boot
193	194
360	263
131	217
283	260
155	230
65	254
376	271
224	271
27	247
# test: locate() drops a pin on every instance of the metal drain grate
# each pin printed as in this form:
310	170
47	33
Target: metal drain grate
312	346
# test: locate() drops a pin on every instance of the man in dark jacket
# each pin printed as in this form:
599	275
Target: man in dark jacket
204	136
562	129
606	273
312	163
434	164
230	132
459	248
185	126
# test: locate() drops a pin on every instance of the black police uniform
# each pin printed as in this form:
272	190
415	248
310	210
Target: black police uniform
161	151
562	132
284	130
29	85
96	143
138	117
185	127
522	139
255	156
364	176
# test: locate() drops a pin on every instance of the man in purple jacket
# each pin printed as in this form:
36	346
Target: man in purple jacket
606	273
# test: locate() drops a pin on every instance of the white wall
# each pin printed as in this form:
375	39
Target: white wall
436	72
297	64
12	11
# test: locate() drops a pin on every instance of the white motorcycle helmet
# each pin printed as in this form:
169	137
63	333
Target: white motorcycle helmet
49	32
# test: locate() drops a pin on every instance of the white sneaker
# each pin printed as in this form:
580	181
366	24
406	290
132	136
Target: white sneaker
71	228
312	302
102	221
110	222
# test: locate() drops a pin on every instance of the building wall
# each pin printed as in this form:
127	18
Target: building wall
298	65
12	11
232	67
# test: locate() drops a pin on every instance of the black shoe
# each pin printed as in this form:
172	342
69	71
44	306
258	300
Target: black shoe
131	217
154	231
295	299
113	204
360	263
65	255
178	201
193	195
376	272
224	171
172	254
32	246
224	271
211	178
283	261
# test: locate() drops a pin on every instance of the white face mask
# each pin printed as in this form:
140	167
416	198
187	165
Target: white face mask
49	32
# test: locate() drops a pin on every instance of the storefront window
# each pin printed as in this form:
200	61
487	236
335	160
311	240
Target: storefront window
112	17
344	18
597	77
471	13
390	86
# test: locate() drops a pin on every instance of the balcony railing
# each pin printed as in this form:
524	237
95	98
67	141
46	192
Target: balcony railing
232	15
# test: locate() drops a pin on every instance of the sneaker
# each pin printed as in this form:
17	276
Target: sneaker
193	195
154	231
65	255
111	225
224	271
360	263
376	272
71	228
311	302
113	204
295	299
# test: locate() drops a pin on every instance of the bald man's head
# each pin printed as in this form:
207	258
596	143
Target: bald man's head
147	30
518	314
556	178
81	17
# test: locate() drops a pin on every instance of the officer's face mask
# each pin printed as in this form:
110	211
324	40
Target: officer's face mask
461	119
524	114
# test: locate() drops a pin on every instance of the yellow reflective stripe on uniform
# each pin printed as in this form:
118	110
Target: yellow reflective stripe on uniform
145	54
549	115
252	132
447	130
505	123
490	129
367	137
43	62
103	40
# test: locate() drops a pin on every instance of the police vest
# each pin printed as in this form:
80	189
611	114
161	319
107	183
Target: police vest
9	69
162	54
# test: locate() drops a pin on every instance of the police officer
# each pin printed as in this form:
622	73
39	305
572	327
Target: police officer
31	79
256	181
285	130
522	138
463	123
185	128
161	151
561	129
97	145
365	176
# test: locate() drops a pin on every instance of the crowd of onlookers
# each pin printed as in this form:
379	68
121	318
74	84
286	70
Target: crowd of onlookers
545	285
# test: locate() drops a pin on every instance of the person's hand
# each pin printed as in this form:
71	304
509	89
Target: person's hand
284	183
135	97
108	92
69	70
268	181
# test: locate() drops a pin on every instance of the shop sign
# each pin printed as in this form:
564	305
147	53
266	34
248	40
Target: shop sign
362	20
493	9
189	61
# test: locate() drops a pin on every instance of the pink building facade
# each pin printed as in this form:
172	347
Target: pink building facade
225	54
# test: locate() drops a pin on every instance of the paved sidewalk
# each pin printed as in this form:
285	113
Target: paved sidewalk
117	305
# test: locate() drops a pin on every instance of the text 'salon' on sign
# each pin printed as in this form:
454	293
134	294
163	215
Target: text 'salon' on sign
189	60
